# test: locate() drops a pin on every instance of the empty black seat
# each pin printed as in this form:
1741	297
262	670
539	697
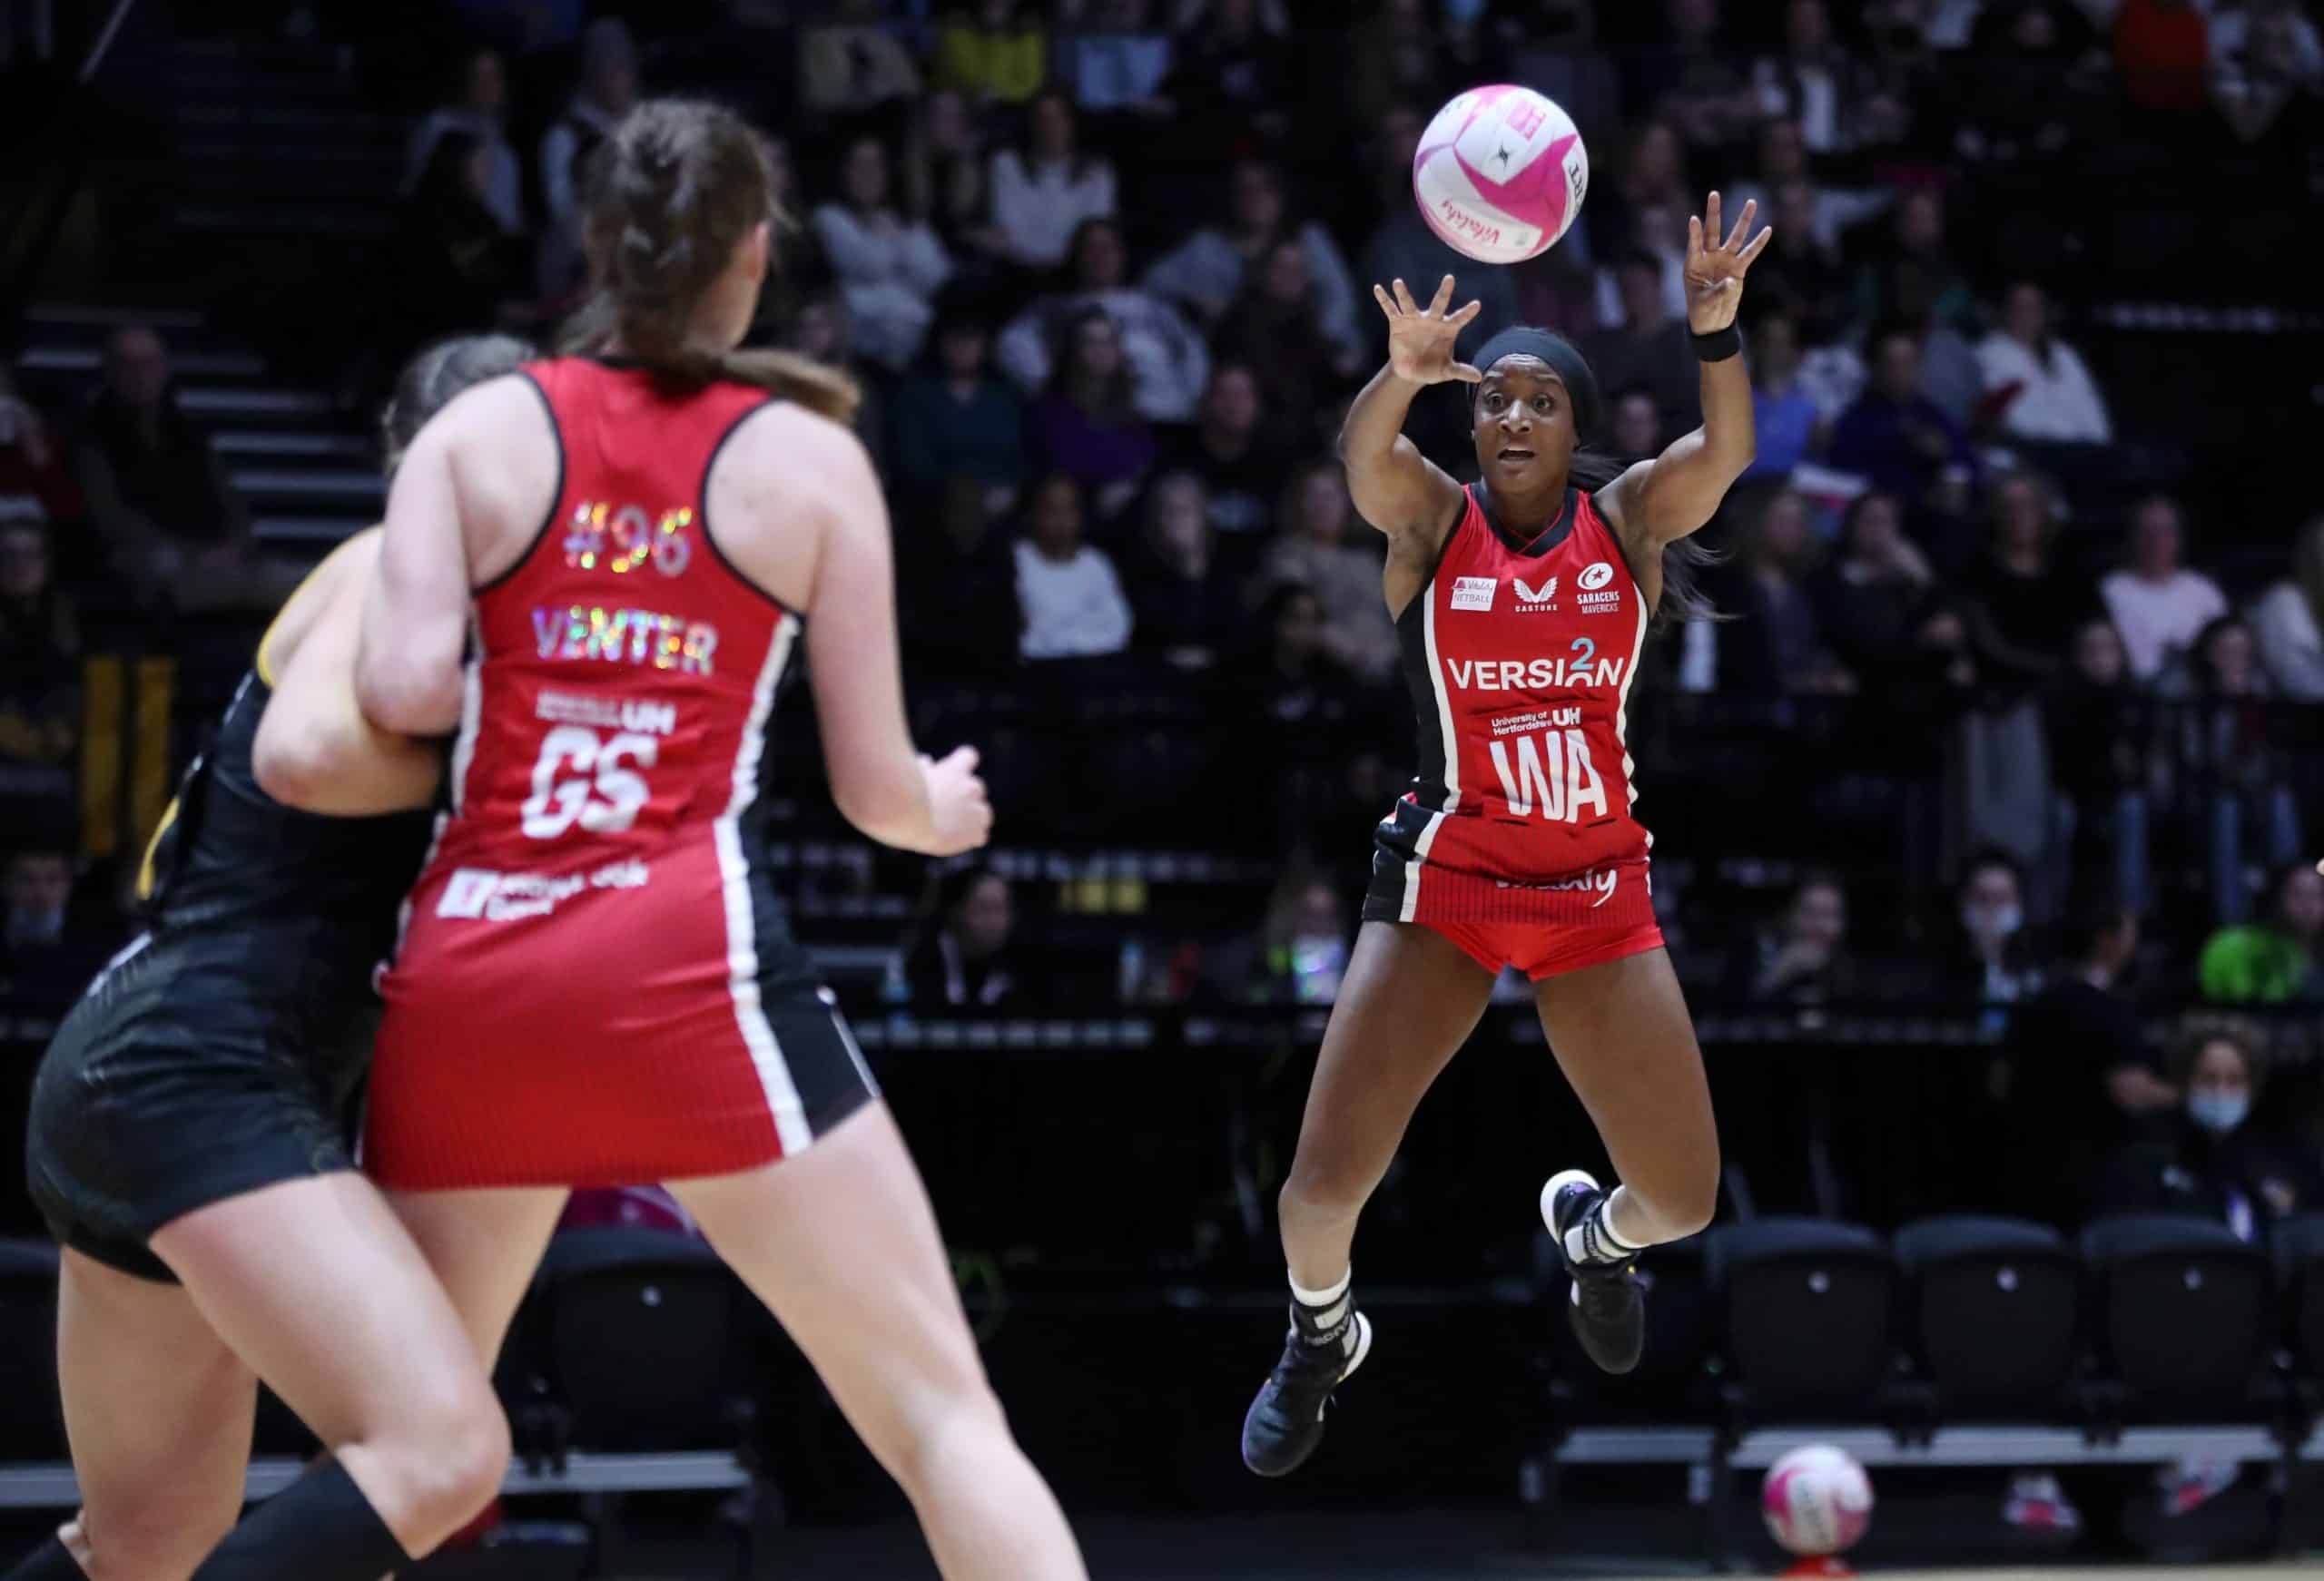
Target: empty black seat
32	1425
1805	1307
1994	1312
2182	1314
637	1324
2299	1270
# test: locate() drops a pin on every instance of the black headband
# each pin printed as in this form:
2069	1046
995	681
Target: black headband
1564	360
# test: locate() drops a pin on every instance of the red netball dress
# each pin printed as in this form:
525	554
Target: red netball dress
1516	840
594	984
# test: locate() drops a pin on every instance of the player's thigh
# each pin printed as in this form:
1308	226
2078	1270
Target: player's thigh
1622	1034
1409	1000
158	1411
484	1246
841	1243
316	1285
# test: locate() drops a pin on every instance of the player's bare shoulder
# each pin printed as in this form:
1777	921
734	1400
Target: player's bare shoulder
785	483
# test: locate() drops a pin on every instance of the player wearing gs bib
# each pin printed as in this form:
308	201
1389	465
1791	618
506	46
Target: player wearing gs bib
1521	602
596	575
189	1125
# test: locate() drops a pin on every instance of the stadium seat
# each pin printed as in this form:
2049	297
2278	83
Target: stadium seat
1804	1307
636	1325
32	1428
2182	1314
1994	1312
2300	1272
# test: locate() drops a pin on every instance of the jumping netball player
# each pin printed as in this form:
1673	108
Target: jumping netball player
1521	601
596	986
189	1143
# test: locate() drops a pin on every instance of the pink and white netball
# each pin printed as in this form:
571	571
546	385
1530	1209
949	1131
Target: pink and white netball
1499	173
1817	1502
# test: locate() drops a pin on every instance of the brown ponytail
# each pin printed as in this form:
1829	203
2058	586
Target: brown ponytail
675	189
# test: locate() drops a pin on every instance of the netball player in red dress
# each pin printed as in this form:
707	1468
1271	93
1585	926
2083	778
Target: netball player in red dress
1521	601
596	575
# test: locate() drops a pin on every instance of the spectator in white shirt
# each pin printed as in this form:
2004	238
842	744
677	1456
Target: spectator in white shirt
2159	606
1811	81
1208	270
2289	621
889	268
1073	601
2230	36
482	104
1167	359
2056	401
1120	62
1041	194
609	90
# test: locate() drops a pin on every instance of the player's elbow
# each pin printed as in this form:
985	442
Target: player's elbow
299	766
405	700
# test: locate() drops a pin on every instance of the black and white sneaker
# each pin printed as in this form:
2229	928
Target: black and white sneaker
1285	1423
1608	1308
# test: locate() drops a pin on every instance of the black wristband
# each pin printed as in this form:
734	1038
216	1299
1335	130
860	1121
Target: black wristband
1719	345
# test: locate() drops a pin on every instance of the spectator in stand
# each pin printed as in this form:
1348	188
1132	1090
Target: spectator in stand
1651	347
2210	1161
1209	269
1236	75
1881	609
2237	779
1903	75
962	419
1072	599
1305	700
1044	193
889	268
1908	275
1801	958
795	262
479	112
1783	158
2232	33
2023	608
943	171
1119	62
1398	58
1636	428
1650	173
451	267
1686	79
2160	47
2278	960
821	329
1784	415
969	959
2268	89
1893	436
1774	645
37	488
1086	427
2020	107
46	956
2035	384
1991	964
1809	278
170	518
2101	736
1183	599
1166	357
851	62
40	667
607	91
1229	450
2158	605
955	591
1813	83
1277	327
993	50
2289	621
2081	1083
1312	550
1403	247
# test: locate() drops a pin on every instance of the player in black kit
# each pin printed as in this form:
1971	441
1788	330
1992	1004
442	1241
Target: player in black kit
189	1143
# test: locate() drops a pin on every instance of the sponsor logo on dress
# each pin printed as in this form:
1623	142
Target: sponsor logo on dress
1599	881
1595	575
478	893
1530	598
1473	592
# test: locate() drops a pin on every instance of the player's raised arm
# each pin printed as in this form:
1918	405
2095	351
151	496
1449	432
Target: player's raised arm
1394	487
1677	492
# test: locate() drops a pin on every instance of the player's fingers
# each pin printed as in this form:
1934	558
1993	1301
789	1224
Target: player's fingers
1466	374
964	758
1465	314
1694	238
1387	303
1710	215
1404	297
1758	245
1742	224
1443	298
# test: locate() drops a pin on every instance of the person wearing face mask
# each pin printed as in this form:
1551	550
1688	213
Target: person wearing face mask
1990	964
2211	1161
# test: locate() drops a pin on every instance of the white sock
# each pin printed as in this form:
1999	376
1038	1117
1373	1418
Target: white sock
1326	1310
1598	1226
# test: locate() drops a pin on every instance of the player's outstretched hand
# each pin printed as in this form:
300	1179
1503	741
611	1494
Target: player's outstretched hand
960	813
1420	340
1715	268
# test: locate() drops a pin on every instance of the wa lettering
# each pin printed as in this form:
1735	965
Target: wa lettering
1553	773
